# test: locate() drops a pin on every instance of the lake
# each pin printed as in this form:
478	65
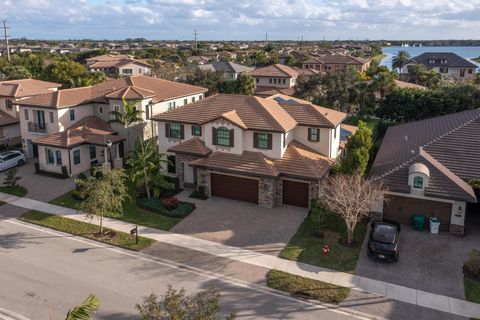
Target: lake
464	52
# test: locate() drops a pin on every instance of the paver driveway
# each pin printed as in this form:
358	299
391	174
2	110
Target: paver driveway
241	224
39	187
427	262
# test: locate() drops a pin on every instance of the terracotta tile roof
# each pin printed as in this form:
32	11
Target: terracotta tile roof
336	59
306	72
163	89
408	85
448	144
308	114
26	88
116	63
89	130
193	146
251	163
6	119
275	70
255	113
131	93
232	116
109	57
269	91
299	161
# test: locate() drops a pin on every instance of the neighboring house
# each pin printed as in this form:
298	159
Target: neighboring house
12	92
269	151
277	78
61	116
230	70
336	62
426	166
448	64
118	65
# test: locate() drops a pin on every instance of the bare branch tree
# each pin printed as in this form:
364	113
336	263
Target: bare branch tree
351	197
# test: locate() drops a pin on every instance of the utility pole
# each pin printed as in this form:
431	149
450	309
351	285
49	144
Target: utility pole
7	46
195	34
266	36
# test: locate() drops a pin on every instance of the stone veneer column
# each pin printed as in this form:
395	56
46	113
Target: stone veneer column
203	179
266	192
313	192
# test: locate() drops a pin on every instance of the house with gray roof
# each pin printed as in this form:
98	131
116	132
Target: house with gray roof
426	166
448	64
230	70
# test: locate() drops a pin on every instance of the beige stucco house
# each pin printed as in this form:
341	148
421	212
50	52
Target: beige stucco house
119	65
50	122
12	92
426	166
333	63
269	151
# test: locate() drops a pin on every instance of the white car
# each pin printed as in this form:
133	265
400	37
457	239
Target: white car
10	159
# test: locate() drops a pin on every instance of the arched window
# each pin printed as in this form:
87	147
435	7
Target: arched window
418	183
223	136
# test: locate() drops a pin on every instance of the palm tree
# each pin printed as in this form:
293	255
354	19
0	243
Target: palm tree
399	59
85	310
130	116
145	167
384	82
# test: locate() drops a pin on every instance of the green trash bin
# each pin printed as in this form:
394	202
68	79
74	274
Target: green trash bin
419	222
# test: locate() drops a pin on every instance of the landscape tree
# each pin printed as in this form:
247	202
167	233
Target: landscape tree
419	74
130	116
245	84
357	151
85	310
206	79
11	178
61	71
291	61
178	305
10	72
350	197
104	193
145	166
384	82
400	58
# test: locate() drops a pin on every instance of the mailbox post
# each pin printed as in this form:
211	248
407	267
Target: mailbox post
134	231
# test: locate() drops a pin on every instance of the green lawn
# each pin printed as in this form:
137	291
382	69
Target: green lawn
309	249
472	290
85	230
18	191
315	289
131	213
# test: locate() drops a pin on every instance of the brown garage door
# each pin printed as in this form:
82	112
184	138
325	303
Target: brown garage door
402	210
236	188
295	193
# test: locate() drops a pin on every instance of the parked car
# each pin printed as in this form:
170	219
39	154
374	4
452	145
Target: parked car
9	159
383	241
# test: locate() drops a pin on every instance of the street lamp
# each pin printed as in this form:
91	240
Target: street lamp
109	145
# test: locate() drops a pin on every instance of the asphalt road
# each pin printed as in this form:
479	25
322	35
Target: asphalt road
44	273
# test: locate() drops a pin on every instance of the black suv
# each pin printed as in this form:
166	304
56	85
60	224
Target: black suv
383	241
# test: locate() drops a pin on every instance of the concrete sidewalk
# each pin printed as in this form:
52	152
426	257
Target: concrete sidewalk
392	291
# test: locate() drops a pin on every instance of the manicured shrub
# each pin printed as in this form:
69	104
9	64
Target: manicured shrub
472	265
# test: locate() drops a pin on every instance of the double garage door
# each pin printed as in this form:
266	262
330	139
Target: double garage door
246	189
402	210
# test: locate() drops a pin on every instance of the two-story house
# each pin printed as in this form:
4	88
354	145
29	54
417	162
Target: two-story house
269	151
332	63
12	92
448	64
73	123
229	70
278	79
118	65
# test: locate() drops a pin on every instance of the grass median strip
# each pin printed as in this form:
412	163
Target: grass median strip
86	230
18	191
307	288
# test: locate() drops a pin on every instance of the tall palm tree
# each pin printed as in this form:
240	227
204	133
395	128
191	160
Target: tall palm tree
85	310
130	116
400	58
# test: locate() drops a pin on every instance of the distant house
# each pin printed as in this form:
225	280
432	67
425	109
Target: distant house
118	65
335	62
426	166
70	127
448	64
277	78
230	70
13	92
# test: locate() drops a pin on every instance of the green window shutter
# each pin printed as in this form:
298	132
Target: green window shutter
182	131
231	138
255	139
214	136
167	130
269	141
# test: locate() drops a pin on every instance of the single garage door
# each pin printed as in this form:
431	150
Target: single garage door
235	188
402	210
295	193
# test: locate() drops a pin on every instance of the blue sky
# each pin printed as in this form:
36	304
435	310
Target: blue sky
243	20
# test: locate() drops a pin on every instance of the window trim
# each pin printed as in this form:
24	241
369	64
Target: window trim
267	139
71	113
317	134
224	131
74	157
9	104
168	130
195	132
416	180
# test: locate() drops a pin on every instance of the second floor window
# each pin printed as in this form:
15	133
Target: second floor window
418	183
41	119
50	115
262	140
171	105
185	101
72	115
196	130
174	130
9	104
127	71
223	137
313	134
